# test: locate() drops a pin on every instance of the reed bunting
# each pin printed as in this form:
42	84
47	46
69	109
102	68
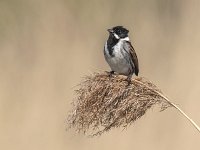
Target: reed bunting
120	54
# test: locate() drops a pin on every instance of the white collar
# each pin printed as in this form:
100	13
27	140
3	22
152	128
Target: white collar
125	39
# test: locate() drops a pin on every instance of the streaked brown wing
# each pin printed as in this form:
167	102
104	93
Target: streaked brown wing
133	57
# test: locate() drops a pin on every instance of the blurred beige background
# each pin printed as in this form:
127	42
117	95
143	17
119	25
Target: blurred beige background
47	46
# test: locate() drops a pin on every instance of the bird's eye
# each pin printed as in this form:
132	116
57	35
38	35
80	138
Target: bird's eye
119	32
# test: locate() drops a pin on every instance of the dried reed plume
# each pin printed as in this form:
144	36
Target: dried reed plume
104	103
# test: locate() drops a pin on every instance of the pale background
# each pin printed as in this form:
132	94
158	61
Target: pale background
47	46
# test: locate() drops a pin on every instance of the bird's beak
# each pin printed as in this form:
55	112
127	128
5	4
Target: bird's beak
110	30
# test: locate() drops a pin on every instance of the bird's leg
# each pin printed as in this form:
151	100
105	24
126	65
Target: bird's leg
111	73
128	79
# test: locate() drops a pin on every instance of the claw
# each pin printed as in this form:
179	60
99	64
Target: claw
111	73
128	79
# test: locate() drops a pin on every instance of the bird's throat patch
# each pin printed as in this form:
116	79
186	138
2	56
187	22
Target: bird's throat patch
110	51
110	45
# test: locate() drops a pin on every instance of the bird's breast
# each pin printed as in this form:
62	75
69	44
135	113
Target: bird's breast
114	51
118	61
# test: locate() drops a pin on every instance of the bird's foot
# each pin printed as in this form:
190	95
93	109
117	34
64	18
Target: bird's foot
111	73
128	79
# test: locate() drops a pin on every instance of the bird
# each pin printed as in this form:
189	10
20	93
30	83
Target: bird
120	54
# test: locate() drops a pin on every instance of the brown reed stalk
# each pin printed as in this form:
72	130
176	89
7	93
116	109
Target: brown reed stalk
103	103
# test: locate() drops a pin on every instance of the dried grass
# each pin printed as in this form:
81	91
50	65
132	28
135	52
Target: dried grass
103	103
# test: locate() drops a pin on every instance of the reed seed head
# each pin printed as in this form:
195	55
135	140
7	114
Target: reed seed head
104	102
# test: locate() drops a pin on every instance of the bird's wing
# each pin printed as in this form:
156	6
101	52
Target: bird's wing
133	56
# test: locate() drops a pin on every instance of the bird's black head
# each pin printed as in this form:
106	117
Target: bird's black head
118	32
